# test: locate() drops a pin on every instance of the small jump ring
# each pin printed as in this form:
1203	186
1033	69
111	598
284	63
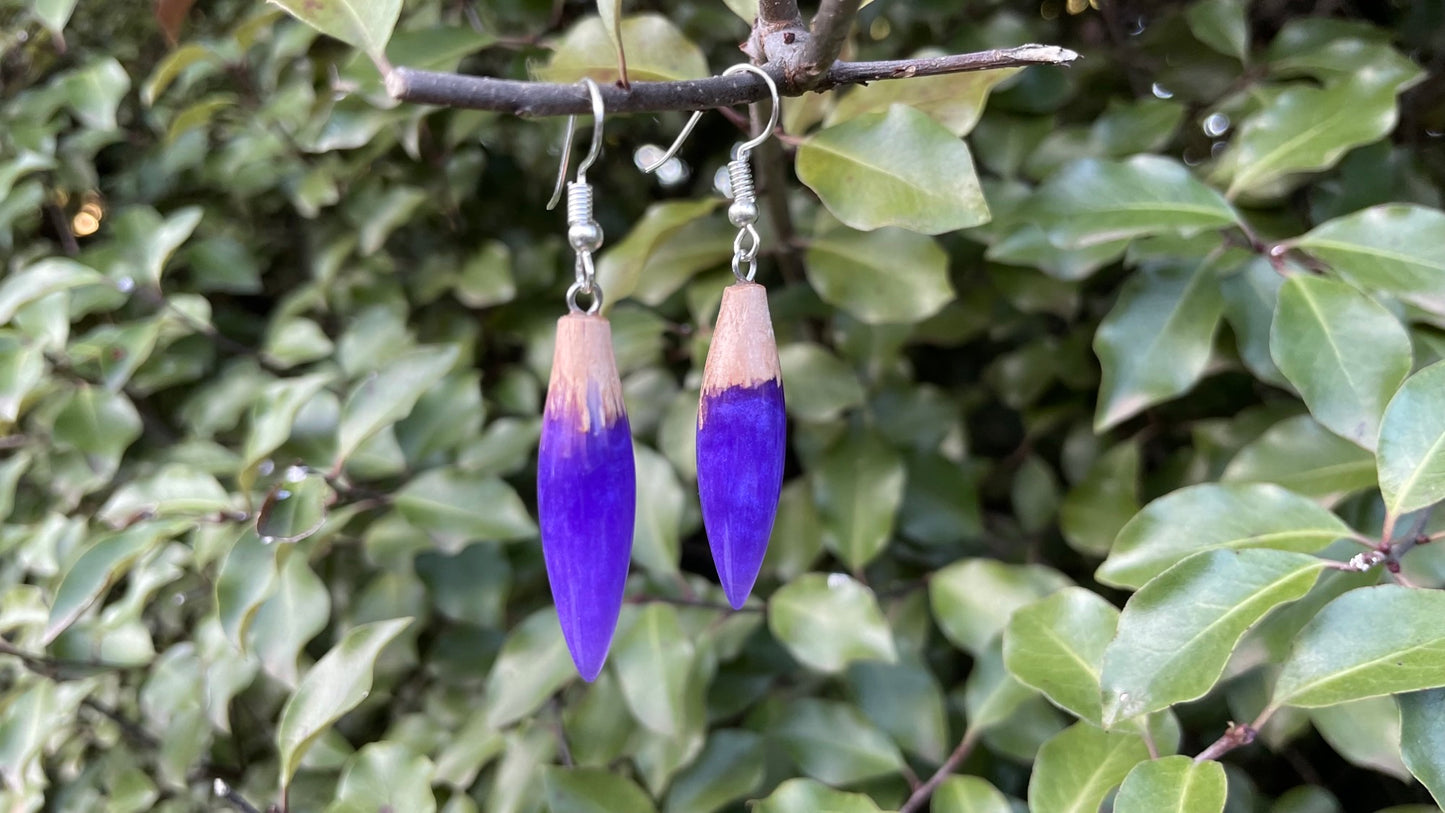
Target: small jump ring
580	287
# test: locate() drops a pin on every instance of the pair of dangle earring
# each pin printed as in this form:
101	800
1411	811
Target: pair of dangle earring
586	483
741	422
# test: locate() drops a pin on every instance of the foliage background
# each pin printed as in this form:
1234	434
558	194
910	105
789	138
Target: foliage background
242	286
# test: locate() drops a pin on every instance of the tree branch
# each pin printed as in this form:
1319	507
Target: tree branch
920	795
552	99
830	30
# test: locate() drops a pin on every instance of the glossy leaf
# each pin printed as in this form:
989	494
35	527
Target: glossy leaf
973	599
1387	248
533	664
1091	203
1422	738
1365	732
1344	654
880	277
294	509
1076	769
807	796
653	660
385	774
464	506
1412	443
1174	784
1300	455
858	487
905	700
1176	634
621	268
611	13
95	569
955	100
1156	341
1213	516
660	52
969	794
1095	510
41	279
829	621
335	685
833	743
366	24
1056	645
656	537
1222	25
592	790
1343	351
820	385
388	395
899	168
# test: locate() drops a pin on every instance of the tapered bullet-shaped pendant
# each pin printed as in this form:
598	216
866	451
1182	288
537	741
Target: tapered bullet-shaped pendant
741	438
586	489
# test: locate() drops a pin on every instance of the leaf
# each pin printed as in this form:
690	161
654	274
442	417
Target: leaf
880	277
148	240
1343	351
833	743
99	566
729	768
820	385
365	24
1056	645
174	489
992	695
1412	443
661	501
972	599
1091	202
592	790
41	279
1156	340
621	268
955	100
653	659
532	665
1077	768
245	580
1306	129
53	14
969	794
1302	456
1095	510
1177	633
294	613
1364	732
807	796
829	621
905	700
335	685
1347	653
295	508
611	13
858	487
94	92
660	52
274	413
1174	784
1222	25
1422	738
465	506
388	395
1390	248
1211	516
385	775
899	168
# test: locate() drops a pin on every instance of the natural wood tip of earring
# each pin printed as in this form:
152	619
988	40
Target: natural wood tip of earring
584	388
744	352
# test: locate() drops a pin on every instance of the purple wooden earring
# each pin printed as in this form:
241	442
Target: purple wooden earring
586	486
741	424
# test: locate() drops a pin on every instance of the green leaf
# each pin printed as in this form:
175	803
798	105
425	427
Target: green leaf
274	413
173	65
388	395
660	52
295	612
1156	340
385	775
94	92
969	794
1346	652
1177	633
729	768
148	240
53	14
624	267
956	100
820	386
881	277
41	279
653	659
1412	443
1210	516
611	13
1056	645
485	279
1365	732
22	369
461	506
1076	769
992	695
899	168
1306	129
1422	738
335	685
833	743
1222	25
366	24
905	700
657	532
295	508
797	538
1174	784
972	599
1095	510
592	790
245	580
532	665
858	487
1302	456
99	566
174	489
1391	248
807	796
1093	203
1343	351
829	621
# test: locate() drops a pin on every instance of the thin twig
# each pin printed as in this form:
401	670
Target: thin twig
552	99
921	795
829	31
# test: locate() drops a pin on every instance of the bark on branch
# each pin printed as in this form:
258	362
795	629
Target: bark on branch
551	99
830	31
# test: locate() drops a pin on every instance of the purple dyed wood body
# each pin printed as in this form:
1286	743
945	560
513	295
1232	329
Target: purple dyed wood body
740	454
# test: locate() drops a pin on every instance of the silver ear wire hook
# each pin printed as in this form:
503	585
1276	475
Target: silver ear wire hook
596	149
742	149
